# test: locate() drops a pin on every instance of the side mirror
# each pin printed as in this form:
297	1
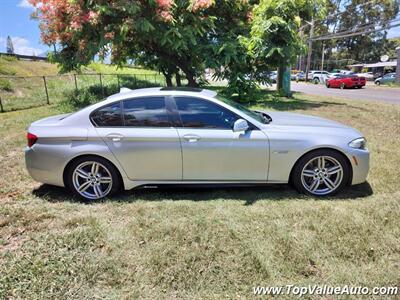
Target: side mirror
240	125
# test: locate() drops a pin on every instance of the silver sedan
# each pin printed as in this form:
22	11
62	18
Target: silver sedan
158	136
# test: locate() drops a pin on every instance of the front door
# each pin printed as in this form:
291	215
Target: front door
210	148
143	141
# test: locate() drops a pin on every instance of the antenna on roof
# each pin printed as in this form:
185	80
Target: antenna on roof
124	90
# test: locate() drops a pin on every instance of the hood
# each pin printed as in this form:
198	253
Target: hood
292	119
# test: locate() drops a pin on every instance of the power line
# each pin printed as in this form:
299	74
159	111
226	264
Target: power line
342	35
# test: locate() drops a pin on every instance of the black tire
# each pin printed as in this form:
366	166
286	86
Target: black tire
116	178
316	80
296	177
342	86
327	85
378	82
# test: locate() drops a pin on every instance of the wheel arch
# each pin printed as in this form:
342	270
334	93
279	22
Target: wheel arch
324	148
68	165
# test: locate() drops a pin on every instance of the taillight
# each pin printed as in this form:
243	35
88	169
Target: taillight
31	139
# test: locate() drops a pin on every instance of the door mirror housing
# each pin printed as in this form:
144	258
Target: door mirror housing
240	125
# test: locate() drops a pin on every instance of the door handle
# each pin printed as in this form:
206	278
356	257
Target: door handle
115	137
191	138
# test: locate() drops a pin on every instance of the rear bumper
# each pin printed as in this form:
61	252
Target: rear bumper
43	168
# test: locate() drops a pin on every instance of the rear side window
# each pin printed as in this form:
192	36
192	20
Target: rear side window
146	112
108	116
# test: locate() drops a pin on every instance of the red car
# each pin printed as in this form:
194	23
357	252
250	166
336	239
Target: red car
346	81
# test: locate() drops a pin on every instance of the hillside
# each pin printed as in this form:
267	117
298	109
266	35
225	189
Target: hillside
10	66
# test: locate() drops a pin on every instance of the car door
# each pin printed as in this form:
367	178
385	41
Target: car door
210	148
141	138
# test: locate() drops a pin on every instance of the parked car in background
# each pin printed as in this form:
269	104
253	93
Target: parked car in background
345	81
319	76
385	79
273	76
368	75
301	76
158	136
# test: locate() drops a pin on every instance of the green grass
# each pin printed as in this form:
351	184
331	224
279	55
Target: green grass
201	243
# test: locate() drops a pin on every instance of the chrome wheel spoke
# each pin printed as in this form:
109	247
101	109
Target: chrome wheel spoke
105	179
314	185
84	186
308	173
95	169
329	183
334	170
321	162
82	173
97	190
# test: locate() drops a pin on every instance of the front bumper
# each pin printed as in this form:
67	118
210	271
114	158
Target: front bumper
360	164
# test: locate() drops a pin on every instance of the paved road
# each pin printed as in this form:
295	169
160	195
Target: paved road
368	93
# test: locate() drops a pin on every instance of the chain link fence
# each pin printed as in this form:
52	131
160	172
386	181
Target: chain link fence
18	93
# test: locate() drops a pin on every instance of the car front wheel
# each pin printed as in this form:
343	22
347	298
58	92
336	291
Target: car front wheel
321	173
92	178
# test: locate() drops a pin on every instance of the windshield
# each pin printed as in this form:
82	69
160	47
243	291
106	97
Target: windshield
259	116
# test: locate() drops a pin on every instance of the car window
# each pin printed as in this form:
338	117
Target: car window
108	116
199	113
146	112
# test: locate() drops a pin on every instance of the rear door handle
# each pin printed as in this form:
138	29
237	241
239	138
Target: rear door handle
115	137
191	138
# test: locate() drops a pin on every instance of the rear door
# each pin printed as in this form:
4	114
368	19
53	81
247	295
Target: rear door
139	133
210	148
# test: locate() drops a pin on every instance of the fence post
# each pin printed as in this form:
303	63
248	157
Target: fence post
101	84
1	106
45	88
76	83
119	85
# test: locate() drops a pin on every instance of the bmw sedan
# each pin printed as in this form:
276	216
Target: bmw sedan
159	136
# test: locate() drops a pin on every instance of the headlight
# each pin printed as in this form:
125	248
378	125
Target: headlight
360	143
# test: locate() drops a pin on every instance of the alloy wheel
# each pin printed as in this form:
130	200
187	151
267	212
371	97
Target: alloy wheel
92	180
322	175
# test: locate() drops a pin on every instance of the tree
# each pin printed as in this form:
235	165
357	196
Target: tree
10	46
173	36
345	15
274	38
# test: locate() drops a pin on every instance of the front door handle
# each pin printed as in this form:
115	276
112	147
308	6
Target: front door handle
115	137
191	138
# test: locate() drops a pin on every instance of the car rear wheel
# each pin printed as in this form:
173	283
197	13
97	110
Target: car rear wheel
327	85
93	178
342	86
316	80
377	82
321	173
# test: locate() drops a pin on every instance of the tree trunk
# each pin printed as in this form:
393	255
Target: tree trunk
178	79
168	78
191	80
279	79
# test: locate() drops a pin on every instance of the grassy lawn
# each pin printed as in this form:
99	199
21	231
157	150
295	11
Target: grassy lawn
201	243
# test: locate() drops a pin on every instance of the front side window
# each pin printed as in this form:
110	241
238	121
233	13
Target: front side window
108	116
146	112
199	113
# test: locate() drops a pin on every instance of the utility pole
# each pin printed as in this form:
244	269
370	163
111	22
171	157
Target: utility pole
323	56
310	47
398	65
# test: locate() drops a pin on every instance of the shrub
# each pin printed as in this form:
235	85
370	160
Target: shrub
5	85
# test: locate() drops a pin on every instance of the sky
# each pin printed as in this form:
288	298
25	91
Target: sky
15	21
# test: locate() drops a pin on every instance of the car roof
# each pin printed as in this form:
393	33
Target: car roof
126	93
